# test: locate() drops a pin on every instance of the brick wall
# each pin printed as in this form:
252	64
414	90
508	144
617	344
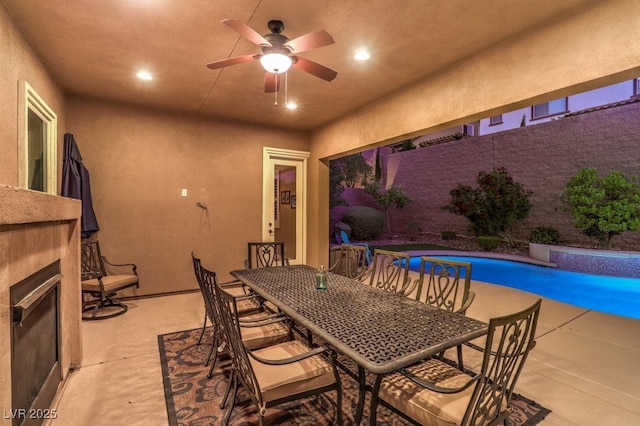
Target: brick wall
541	157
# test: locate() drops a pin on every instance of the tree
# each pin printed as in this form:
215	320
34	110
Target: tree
354	168
603	207
394	196
495	206
336	176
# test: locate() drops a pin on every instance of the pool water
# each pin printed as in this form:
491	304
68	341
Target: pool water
613	295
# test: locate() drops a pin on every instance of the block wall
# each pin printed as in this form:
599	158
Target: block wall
541	157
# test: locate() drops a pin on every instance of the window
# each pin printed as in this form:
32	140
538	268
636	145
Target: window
636	86
496	119
38	143
547	109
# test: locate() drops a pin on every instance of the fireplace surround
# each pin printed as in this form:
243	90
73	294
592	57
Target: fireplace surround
37	230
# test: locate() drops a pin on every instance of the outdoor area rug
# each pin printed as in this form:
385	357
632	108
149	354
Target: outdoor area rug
193	399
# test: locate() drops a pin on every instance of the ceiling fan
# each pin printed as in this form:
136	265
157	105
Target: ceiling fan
279	53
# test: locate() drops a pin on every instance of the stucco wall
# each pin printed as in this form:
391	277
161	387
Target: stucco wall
18	63
139	160
541	157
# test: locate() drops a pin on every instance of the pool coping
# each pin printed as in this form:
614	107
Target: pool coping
488	255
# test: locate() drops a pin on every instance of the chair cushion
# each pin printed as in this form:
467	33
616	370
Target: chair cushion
265	335
278	381
426	406
247	305
110	282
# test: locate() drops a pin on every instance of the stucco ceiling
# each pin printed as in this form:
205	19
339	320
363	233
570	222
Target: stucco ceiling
93	48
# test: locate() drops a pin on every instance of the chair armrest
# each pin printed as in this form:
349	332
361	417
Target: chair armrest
313	352
463	308
133	266
440	389
259	322
236	284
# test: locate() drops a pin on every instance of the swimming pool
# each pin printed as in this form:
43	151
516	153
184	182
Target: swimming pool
614	295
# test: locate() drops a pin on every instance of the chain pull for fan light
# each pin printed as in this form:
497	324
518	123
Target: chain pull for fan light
286	89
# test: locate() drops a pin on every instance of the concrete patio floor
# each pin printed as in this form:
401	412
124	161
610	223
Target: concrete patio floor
585	366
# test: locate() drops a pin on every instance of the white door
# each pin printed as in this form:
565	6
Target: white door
284	198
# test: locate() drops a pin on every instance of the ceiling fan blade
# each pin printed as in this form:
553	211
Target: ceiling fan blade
310	41
315	68
272	82
230	61
246	31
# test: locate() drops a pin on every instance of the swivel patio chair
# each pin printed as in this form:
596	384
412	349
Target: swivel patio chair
265	254
440	285
101	281
434	392
389	271
351	261
276	374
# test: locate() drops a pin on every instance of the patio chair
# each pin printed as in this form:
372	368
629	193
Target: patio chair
276	374
389	272
344	238
350	262
265	254
435	392
101	281
234	287
249	309
440	285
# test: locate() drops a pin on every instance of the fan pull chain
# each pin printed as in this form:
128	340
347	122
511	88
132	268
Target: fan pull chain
286	88
276	88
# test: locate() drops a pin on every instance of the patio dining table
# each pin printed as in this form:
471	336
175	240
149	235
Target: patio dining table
380	331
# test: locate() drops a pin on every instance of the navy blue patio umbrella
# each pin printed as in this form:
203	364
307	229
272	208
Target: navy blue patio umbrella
75	184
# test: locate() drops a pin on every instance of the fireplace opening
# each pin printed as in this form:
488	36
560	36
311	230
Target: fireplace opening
35	345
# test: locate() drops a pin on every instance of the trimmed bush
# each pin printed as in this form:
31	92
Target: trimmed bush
488	243
544	235
413	230
366	222
448	235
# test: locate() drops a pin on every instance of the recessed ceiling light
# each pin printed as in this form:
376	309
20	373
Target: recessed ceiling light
362	55
144	75
292	105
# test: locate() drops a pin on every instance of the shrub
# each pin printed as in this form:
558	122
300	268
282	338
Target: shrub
544	235
413	230
603	207
366	222
488	243
494	206
448	235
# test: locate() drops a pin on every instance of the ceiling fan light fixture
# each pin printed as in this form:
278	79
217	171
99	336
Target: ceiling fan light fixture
276	63
362	55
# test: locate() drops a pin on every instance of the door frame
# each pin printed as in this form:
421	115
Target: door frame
270	158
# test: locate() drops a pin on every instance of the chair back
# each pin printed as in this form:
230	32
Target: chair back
351	262
389	272
508	343
208	299
227	310
444	284
265	254
91	265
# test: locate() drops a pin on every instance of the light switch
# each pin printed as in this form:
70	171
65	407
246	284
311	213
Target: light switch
184	192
